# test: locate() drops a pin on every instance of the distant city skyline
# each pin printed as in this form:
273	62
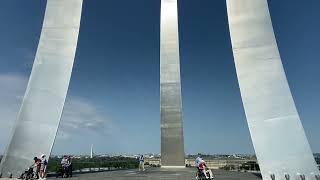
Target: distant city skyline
113	100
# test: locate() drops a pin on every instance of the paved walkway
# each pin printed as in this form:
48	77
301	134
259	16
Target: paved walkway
161	174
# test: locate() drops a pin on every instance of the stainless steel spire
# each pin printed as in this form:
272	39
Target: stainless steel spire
172	142
42	106
278	136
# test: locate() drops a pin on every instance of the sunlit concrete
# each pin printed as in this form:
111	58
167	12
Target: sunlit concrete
163	174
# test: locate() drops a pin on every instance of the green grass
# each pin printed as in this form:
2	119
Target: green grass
107	162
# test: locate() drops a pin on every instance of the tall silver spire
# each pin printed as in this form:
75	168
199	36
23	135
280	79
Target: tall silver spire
42	106
278	136
172	141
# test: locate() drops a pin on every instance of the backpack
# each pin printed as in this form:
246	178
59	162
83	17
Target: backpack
45	162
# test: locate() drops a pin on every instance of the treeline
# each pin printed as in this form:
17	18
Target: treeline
98	162
247	166
318	160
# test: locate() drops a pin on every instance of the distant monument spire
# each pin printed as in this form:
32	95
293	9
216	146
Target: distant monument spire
91	151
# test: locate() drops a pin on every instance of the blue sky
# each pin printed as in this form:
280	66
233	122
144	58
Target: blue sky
113	99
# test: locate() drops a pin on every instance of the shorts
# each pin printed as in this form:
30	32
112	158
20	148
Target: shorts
42	168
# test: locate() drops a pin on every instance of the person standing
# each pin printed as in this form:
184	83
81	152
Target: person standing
37	166
69	166
43	166
141	163
64	165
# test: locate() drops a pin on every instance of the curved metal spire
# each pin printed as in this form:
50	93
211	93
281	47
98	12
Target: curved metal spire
278	136
42	106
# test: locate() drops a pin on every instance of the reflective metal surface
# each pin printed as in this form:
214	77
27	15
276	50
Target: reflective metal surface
172	142
44	99
278	136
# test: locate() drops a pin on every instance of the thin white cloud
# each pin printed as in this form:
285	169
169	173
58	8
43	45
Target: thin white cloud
79	114
11	92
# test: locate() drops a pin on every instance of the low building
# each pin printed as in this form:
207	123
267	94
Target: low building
211	163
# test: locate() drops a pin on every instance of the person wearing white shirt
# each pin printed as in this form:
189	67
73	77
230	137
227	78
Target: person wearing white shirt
43	166
141	163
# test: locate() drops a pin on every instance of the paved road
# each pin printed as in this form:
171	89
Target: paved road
161	174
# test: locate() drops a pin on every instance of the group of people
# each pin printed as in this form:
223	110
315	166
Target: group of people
66	166
199	162
40	165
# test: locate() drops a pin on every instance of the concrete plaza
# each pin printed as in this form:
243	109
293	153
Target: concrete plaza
162	174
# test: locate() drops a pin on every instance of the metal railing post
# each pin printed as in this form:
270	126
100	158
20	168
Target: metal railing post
287	176
272	176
